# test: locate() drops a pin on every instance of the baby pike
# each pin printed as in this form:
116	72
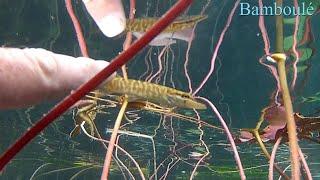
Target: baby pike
138	92
181	28
143	24
154	93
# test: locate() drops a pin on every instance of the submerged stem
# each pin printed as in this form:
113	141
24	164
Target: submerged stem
279	30
114	134
291	125
256	135
273	157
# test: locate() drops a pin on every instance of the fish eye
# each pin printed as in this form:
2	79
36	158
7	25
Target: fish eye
185	96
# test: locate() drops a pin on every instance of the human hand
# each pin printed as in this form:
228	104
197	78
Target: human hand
32	76
108	14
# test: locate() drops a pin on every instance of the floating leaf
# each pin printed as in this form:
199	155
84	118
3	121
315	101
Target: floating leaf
288	41
305	54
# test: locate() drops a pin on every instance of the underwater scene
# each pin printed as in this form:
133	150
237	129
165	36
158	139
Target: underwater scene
203	89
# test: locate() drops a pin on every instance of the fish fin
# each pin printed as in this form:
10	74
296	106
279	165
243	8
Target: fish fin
162	42
163	39
185	34
170	100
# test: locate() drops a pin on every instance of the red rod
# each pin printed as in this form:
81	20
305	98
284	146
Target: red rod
115	64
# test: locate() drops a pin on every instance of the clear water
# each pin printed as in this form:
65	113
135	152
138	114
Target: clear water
240	87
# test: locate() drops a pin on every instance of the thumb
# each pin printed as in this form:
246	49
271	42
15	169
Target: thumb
108	14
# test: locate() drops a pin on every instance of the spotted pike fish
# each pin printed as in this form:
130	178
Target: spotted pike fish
181	29
137	92
154	93
143	24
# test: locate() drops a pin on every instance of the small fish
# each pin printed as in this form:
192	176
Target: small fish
154	93
138	92
181	29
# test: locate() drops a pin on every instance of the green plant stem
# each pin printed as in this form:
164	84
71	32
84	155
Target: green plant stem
279	30
291	125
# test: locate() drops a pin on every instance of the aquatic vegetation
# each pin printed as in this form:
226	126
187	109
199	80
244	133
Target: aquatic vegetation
307	127
303	37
